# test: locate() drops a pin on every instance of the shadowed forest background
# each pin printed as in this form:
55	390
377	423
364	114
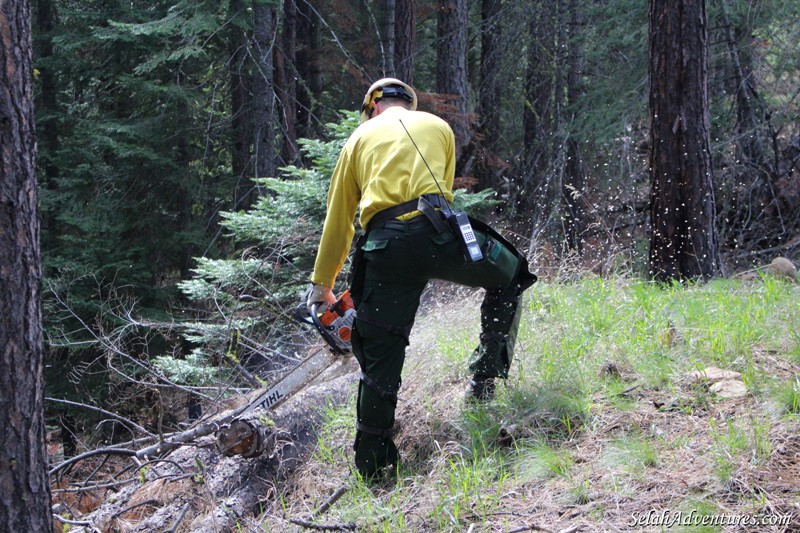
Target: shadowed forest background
185	147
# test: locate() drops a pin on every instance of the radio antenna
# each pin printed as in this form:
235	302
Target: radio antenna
426	165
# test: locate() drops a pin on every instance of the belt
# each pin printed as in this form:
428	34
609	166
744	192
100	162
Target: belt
415	223
432	200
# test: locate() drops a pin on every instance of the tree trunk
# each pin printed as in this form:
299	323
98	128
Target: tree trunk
48	134
286	81
239	88
24	489
46	21
574	185
183	203
536	178
755	172
263	90
489	92
754	141
308	67
491	62
683	245
405	41
451	66
390	39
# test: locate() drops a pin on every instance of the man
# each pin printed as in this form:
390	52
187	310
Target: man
399	166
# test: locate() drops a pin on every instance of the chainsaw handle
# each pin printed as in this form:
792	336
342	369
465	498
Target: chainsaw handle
314	314
309	315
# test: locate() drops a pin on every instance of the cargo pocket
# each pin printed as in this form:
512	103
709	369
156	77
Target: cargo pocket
373	246
375	254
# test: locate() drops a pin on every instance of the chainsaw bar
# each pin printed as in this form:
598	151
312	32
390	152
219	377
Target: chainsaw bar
292	382
335	325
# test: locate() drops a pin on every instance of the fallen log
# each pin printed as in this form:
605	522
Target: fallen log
212	483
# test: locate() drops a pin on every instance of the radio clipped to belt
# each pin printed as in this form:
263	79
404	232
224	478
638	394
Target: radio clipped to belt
458	222
463	229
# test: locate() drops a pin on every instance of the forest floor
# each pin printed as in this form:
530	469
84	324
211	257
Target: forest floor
629	407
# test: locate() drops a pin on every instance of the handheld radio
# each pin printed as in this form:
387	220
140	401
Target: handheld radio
460	220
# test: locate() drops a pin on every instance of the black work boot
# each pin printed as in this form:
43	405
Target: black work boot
481	389
375	456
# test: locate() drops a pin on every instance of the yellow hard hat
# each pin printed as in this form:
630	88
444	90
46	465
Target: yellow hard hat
387	88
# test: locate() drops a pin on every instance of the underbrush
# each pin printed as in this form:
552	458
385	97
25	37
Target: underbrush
628	403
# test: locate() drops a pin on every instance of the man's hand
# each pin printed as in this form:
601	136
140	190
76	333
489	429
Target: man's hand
319	294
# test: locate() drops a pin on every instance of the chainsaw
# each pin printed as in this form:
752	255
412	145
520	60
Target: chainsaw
335	324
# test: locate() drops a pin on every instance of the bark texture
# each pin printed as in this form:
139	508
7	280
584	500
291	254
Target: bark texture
24	491
574	183
263	90
451	67
243	195
286	81
491	63
405	42
534	192
683	245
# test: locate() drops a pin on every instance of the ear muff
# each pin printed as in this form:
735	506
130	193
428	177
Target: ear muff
376	92
368	107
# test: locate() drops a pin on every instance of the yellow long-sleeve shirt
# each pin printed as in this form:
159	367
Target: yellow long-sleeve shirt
379	167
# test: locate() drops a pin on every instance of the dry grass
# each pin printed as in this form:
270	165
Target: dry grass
595	442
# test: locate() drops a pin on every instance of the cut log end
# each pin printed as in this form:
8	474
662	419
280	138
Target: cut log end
248	437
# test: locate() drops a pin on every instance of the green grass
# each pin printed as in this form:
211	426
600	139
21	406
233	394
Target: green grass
738	440
542	461
596	362
787	395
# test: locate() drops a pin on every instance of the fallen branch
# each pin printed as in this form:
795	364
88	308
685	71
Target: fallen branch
330	501
531	527
63	520
99	451
151	501
115	416
534	527
750	253
96	486
309	524
180	518
349	526
621	393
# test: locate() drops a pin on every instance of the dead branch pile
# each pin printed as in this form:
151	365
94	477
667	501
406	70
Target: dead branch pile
200	487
